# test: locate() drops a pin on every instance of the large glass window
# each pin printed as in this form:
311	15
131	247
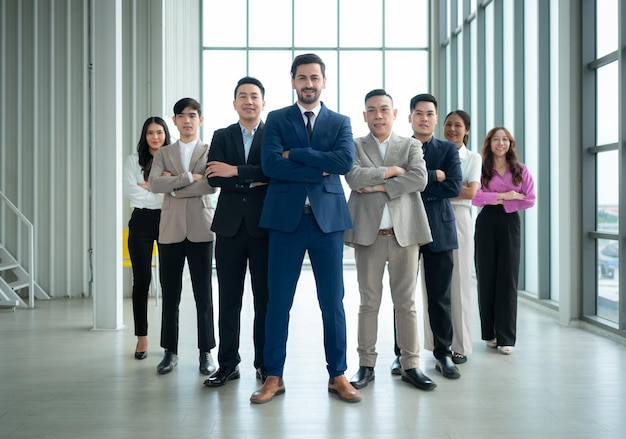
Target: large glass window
607	151
365	44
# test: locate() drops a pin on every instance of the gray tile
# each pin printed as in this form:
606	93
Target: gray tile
59	379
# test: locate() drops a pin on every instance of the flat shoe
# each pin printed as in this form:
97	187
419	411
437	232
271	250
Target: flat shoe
493	343
506	350
458	358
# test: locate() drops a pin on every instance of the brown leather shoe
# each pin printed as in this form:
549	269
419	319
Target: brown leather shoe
273	386
340	386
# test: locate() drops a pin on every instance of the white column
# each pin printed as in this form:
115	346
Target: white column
106	162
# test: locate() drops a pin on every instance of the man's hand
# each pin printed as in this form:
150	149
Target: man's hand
286	154
372	189
166	174
221	169
441	176
394	171
144	186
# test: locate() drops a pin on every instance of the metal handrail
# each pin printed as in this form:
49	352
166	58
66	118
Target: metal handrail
31	249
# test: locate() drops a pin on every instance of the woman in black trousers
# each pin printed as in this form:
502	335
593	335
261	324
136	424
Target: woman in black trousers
143	227
507	187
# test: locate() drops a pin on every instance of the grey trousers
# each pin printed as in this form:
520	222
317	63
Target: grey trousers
402	266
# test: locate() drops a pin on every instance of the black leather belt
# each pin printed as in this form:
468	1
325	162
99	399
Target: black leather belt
307	210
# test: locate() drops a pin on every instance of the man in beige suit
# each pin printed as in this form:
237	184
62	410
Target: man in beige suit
390	224
178	171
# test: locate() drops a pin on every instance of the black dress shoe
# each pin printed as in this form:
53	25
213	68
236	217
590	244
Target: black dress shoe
168	363
261	374
362	377
207	365
448	369
396	367
418	379
222	376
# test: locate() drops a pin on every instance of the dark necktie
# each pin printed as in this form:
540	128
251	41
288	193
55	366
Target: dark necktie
309	127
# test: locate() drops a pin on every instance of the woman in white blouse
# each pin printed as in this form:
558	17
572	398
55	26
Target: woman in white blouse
456	129
143	227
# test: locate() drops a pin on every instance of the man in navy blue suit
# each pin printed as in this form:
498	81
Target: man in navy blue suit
305	148
445	179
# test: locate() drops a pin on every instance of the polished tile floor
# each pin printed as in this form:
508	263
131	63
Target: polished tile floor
59	379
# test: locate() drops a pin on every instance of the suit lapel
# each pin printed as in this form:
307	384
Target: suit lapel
197	153
393	147
237	136
371	150
256	142
174	153
295	118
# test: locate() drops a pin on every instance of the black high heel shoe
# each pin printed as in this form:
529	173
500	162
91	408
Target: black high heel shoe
140	355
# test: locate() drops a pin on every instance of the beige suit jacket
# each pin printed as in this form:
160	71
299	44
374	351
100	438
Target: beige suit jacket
187	211
402	195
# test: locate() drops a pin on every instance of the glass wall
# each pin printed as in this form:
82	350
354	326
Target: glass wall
515	79
607	155
365	44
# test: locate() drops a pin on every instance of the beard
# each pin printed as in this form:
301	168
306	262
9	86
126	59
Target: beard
305	99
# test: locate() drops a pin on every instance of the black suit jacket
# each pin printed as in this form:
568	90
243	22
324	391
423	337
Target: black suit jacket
237	200
444	155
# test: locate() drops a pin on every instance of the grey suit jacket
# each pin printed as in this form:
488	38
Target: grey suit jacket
189	212
402	195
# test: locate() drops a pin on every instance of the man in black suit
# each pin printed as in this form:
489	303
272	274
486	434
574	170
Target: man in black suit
234	165
445	179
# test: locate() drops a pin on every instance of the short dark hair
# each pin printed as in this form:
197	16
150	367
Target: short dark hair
424	97
183	103
377	92
250	80
307	58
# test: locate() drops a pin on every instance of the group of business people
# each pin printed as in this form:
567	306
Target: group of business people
281	196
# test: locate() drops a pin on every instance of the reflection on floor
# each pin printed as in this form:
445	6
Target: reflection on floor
59	379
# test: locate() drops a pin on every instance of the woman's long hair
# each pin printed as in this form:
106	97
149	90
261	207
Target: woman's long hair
143	149
511	158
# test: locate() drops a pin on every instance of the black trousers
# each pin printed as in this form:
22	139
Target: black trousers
199	257
438	278
232	256
143	230
497	258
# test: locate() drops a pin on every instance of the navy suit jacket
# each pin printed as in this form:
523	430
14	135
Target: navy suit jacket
330	150
444	155
238	201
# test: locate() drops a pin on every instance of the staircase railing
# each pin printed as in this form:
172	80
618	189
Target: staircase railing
31	249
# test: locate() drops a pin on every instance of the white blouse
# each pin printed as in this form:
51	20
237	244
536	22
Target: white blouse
139	197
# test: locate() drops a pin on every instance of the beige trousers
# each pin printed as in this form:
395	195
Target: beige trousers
402	266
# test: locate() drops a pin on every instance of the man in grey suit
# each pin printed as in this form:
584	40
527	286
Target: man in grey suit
178	171
389	225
